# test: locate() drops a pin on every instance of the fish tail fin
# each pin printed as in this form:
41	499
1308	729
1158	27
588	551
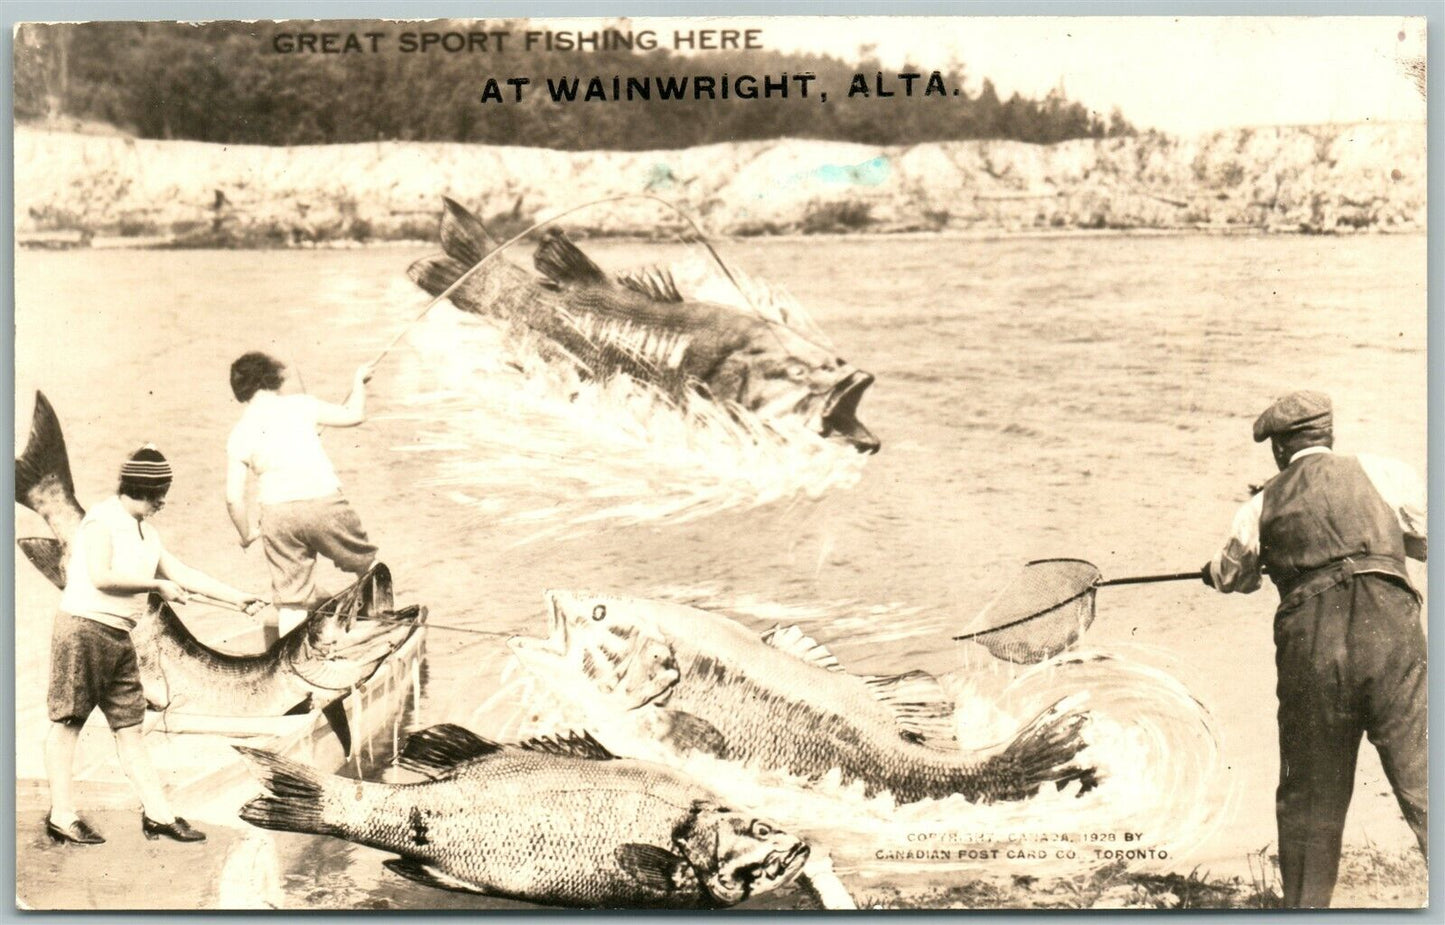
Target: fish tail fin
44	457
436	274
1043	752
293	798
465	242
46	554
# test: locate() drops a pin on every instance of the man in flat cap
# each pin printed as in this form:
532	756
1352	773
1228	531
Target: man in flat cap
1333	532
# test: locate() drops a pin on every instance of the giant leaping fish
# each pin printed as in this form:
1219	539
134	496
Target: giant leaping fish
640	324
312	667
699	681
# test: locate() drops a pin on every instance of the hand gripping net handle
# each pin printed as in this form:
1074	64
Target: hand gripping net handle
1046	608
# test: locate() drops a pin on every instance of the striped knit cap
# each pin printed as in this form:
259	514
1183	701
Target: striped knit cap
146	468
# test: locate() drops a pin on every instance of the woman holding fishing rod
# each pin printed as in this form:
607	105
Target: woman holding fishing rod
302	512
1333	533
116	562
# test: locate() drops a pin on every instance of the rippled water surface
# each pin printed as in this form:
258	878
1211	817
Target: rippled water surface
1077	396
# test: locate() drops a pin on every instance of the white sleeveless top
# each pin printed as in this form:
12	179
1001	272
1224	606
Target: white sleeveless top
277	438
135	553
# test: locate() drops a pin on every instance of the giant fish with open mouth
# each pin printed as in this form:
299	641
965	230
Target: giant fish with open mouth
641	325
312	667
698	681
559	821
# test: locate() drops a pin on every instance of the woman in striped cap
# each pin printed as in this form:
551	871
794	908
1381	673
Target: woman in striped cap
117	560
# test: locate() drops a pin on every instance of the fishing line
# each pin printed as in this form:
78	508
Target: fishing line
166	682
438	626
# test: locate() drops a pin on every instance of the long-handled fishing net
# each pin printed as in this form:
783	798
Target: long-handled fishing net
1046	608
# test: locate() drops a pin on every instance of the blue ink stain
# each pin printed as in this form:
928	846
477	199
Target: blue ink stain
869	173
660	177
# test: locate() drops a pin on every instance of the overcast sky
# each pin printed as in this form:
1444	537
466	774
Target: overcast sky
1177	74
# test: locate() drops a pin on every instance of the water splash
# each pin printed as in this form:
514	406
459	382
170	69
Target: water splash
531	443
1164	789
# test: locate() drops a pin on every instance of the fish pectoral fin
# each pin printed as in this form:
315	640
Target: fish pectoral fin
795	642
923	711
439	749
47	555
561	261
653	867
573	744
687	732
335	713
430	876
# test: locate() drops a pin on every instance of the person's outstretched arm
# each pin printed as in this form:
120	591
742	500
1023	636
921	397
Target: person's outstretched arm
198	582
352	411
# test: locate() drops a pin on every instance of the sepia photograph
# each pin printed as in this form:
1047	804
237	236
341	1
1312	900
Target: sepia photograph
781	463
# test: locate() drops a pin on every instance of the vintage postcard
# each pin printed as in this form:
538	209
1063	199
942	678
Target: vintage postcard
773	463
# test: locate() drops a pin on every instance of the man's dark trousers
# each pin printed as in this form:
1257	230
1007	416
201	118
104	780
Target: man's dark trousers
1351	660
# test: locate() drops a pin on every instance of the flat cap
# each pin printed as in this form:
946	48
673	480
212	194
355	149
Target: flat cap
1294	413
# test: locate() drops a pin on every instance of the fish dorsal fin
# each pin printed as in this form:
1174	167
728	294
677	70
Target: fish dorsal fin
793	641
654	282
571	744
438	750
561	261
923	711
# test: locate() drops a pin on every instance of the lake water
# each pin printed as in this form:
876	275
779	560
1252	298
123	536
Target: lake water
1077	396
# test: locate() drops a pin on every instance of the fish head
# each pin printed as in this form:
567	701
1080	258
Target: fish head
780	372
338	649
737	855
605	647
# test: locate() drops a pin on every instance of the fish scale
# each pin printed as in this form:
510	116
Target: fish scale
726	691
536	826
745	710
177	670
637	326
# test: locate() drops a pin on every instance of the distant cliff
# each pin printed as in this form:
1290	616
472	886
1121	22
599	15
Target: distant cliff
1315	179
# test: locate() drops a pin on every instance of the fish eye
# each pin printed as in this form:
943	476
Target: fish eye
599	612
761	829
796	370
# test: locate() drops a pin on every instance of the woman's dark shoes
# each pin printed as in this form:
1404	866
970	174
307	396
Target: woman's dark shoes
180	830
77	833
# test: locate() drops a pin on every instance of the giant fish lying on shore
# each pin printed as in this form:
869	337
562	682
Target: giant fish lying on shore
558	821
699	681
312	667
639	324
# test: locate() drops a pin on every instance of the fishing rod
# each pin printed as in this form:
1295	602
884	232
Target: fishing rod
217	602
702	237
